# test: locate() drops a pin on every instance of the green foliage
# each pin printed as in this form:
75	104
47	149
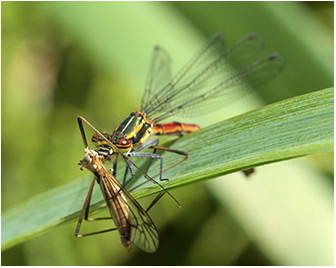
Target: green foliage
291	128
62	59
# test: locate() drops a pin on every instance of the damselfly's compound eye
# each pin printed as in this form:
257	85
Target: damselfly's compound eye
123	144
96	138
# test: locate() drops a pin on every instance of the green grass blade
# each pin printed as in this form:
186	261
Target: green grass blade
291	128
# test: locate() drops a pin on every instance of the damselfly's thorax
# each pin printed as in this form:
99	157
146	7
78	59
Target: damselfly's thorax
134	130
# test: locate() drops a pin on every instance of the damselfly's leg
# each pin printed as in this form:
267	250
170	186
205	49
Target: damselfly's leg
138	153
186	155
154	145
153	156
150	145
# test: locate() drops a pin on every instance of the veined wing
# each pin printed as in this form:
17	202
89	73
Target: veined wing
159	74
203	57
215	76
144	233
132	221
215	95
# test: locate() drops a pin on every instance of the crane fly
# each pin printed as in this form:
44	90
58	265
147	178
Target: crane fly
215	76
132	222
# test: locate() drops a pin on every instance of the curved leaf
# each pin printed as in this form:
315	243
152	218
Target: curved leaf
291	128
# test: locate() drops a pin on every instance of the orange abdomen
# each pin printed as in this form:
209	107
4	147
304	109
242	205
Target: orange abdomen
174	128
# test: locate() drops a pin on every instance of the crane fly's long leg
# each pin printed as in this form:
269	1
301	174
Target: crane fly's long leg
98	232
87	204
81	129
157	198
85	212
85	208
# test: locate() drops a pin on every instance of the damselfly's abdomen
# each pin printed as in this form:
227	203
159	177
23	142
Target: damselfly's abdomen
174	128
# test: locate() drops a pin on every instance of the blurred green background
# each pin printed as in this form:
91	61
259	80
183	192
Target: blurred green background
63	59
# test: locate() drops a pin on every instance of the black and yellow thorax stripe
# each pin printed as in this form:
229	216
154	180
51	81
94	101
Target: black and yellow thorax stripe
134	130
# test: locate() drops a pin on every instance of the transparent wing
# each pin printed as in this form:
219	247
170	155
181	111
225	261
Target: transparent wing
213	77
143	231
231	88
139	228
201	58
159	74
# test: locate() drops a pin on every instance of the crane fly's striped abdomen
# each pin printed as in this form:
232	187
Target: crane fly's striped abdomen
118	207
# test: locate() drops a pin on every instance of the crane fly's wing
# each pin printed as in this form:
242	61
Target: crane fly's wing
215	76
132	221
143	231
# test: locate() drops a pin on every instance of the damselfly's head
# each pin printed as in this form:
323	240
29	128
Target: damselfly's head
104	148
98	139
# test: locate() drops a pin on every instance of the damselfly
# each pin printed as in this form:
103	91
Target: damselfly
131	220
214	77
